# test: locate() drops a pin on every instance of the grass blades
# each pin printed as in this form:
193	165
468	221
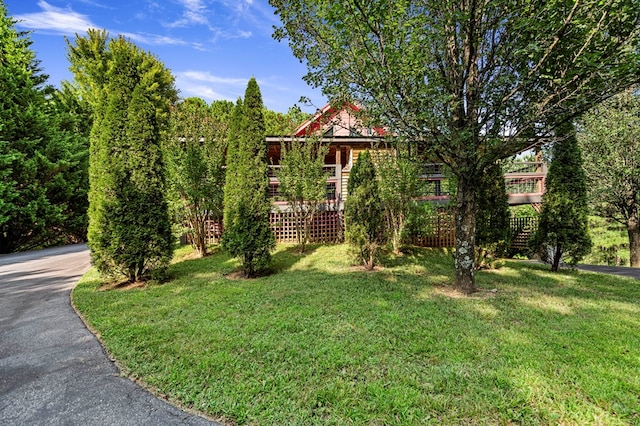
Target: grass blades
320	342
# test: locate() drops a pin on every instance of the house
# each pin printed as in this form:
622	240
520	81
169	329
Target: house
347	138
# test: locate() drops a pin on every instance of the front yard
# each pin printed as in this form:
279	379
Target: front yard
321	342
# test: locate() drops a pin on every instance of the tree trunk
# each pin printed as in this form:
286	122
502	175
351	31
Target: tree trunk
465	236
199	237
633	229
556	258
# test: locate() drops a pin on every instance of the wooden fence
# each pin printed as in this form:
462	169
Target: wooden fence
328	227
439	230
521	230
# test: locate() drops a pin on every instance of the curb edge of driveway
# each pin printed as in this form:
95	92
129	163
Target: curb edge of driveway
124	372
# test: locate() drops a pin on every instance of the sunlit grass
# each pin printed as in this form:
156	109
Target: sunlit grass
610	243
319	342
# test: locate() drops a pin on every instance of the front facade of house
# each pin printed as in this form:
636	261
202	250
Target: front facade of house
347	138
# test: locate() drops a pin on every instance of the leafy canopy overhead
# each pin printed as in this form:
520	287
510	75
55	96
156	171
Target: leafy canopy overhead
467	74
471	82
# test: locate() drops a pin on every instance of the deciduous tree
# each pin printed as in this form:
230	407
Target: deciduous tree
194	150
279	124
610	140
303	182
472	82
398	184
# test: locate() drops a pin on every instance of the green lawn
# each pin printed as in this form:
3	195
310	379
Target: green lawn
320	342
610	243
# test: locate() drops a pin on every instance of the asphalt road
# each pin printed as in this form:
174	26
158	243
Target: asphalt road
53	371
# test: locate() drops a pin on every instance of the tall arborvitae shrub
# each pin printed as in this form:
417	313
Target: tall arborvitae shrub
492	219
129	227
363	214
562	230
247	233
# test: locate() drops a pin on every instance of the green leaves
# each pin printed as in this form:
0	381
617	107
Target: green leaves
363	215
562	229
302	181
194	149
130	93
471	83
42	159
247	233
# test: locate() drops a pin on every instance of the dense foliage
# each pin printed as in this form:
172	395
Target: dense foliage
610	140
470	82
303	182
563	227
363	212
279	124
398	184
194	149
247	233
130	92
43	155
492	222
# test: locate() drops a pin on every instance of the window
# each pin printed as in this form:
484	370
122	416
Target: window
331	190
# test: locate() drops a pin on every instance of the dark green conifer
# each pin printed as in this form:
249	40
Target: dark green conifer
492	219
364	214
129	227
247	233
562	230
42	164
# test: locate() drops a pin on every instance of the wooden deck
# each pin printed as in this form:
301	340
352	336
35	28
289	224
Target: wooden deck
524	182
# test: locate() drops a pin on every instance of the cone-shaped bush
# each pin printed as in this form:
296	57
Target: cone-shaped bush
129	226
492	220
247	233
562	230
364	215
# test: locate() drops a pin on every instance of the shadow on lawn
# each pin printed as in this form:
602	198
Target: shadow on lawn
538	278
385	339
283	260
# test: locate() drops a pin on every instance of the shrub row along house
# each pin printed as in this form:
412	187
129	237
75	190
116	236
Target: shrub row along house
347	138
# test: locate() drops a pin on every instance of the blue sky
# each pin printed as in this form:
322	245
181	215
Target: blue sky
212	47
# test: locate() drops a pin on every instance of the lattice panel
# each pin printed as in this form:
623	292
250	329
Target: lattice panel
328	227
440	231
325	228
523	228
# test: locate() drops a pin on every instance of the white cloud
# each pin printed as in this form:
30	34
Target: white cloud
66	21
56	19
210	78
210	87
155	39
195	12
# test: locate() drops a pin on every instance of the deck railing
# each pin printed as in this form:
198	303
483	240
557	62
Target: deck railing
329	169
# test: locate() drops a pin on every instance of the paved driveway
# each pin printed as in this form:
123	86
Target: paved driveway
53	371
623	271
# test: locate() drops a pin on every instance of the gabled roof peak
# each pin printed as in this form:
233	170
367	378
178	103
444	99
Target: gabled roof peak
340	121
